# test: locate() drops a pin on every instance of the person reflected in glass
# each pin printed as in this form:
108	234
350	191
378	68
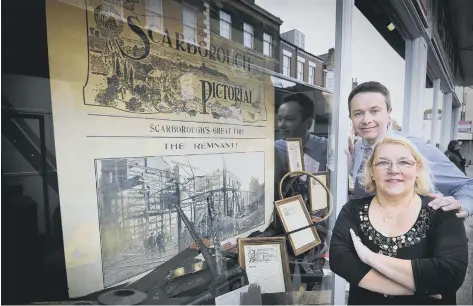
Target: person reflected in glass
294	120
370	109
392	247
454	155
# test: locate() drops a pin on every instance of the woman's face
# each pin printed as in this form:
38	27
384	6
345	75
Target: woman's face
394	170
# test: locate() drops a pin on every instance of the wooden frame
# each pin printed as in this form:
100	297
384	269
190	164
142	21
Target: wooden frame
266	241
290	142
323	176
303	220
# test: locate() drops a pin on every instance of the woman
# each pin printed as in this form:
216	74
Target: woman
392	247
453	153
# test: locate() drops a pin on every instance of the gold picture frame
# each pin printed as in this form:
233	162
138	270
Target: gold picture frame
294	215
318	194
295	161
266	256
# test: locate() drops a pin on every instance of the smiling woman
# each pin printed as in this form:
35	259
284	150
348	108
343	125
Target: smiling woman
392	247
398	175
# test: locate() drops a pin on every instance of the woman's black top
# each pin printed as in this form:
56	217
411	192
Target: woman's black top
436	245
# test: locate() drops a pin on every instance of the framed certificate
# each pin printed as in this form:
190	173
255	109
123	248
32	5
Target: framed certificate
317	193
294	215
294	154
266	263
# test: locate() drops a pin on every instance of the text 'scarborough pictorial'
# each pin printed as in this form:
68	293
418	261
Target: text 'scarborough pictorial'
137	71
146	119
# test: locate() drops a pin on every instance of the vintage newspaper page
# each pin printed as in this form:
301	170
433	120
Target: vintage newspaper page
144	119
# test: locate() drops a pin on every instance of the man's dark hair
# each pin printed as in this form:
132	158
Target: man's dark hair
370	86
306	104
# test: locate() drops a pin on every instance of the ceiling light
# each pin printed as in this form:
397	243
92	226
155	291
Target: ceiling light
391	27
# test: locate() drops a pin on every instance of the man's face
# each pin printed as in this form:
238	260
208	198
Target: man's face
370	116
290	122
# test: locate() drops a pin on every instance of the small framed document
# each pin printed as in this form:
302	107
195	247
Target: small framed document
317	194
266	263
294	154
294	215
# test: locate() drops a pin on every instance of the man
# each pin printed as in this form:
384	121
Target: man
294	120
160	243
151	244
369	105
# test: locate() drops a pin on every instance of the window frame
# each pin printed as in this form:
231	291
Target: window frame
311	75
288	66
184	24
269	43
252	35
300	72
228	22
156	14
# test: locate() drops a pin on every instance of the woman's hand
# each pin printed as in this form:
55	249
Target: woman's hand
363	252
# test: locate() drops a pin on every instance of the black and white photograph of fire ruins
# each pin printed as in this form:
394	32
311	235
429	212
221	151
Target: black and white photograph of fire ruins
140	227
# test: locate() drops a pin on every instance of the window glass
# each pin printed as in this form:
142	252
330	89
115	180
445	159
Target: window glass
171	121
189	24
312	75
248	35
225	25
267	44
286	65
154	15
300	70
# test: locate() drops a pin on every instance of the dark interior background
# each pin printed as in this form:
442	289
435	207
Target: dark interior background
33	256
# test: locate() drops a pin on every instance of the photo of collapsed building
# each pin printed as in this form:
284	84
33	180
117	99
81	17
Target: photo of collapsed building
140	226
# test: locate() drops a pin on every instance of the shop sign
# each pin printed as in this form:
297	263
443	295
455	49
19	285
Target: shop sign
464	126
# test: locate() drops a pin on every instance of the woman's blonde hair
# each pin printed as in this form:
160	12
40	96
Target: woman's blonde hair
423	184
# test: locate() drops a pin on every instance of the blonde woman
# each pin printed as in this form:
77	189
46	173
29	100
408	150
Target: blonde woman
392	247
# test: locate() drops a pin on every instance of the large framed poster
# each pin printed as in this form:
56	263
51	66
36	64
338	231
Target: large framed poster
145	119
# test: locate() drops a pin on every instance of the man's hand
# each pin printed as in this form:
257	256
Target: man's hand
362	250
447	204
